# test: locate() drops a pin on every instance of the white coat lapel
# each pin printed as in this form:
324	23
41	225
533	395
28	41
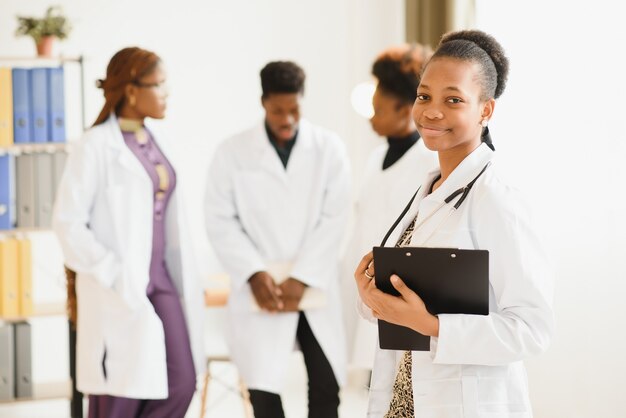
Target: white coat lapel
268	158
464	173
301	158
433	211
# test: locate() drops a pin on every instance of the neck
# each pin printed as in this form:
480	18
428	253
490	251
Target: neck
405	131
128	112
404	134
129	125
281	142
450	159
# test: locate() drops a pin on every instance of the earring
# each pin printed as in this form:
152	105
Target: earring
484	122
131	101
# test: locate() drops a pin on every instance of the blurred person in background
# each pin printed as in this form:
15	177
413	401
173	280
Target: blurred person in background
120	220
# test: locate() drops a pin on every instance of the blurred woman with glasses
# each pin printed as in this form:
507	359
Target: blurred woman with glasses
119	218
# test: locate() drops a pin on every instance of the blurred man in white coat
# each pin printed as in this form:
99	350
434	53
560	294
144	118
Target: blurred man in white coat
277	201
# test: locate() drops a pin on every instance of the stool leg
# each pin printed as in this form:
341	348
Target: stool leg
247	405
205	388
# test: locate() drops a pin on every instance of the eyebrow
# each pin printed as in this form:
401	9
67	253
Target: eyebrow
452	88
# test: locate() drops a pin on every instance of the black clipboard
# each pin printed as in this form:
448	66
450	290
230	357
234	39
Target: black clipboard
448	280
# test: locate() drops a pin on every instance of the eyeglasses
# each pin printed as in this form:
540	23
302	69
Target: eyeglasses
161	87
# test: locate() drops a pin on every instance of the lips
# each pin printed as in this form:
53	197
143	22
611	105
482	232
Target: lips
433	130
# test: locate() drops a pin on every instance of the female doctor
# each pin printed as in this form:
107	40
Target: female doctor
119	219
474	367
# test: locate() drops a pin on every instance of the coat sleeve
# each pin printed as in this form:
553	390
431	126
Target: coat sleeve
521	279
76	195
318	258
234	248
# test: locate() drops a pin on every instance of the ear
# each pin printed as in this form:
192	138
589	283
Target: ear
488	108
130	90
405	110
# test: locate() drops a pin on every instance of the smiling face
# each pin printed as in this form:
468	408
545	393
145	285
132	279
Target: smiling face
449	110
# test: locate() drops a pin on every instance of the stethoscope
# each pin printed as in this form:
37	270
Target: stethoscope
463	192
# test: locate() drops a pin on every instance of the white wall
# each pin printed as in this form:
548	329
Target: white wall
560	129
214	51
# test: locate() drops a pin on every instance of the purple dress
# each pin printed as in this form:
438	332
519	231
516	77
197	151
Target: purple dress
166	301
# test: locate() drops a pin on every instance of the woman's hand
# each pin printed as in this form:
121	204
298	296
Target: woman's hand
363	282
407	310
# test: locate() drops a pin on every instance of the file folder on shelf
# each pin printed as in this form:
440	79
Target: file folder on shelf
39	104
44	189
58	165
6	107
7	365
23	362
56	105
21	106
25	190
7	192
9	306
24	277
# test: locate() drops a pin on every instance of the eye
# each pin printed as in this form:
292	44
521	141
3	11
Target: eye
454	100
422	97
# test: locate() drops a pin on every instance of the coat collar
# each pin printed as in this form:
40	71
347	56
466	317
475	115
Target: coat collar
126	157
269	160
262	142
464	173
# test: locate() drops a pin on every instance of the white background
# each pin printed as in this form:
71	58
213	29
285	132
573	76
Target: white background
560	127
559	130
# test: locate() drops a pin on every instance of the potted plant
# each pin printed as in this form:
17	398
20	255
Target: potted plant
44	31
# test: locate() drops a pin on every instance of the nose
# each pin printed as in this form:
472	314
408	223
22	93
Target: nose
287	120
429	111
164	90
432	112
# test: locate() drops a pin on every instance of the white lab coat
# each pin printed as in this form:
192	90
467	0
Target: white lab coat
102	217
382	196
259	213
474	368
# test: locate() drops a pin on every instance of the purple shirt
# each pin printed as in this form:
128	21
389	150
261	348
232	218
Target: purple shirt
154	161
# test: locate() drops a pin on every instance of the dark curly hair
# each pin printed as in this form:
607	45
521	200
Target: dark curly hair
398	70
479	47
282	77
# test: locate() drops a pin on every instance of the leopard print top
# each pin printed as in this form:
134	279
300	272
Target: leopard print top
401	405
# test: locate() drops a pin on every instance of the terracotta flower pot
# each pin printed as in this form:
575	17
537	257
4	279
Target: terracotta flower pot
45	47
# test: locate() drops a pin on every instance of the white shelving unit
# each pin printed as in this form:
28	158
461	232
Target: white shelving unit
65	388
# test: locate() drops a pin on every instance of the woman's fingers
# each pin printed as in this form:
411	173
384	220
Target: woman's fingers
401	287
365	261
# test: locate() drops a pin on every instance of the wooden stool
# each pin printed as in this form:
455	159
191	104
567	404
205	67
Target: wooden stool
215	298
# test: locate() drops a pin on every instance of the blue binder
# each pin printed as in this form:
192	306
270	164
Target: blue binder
7	201
39	104
56	105
21	107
